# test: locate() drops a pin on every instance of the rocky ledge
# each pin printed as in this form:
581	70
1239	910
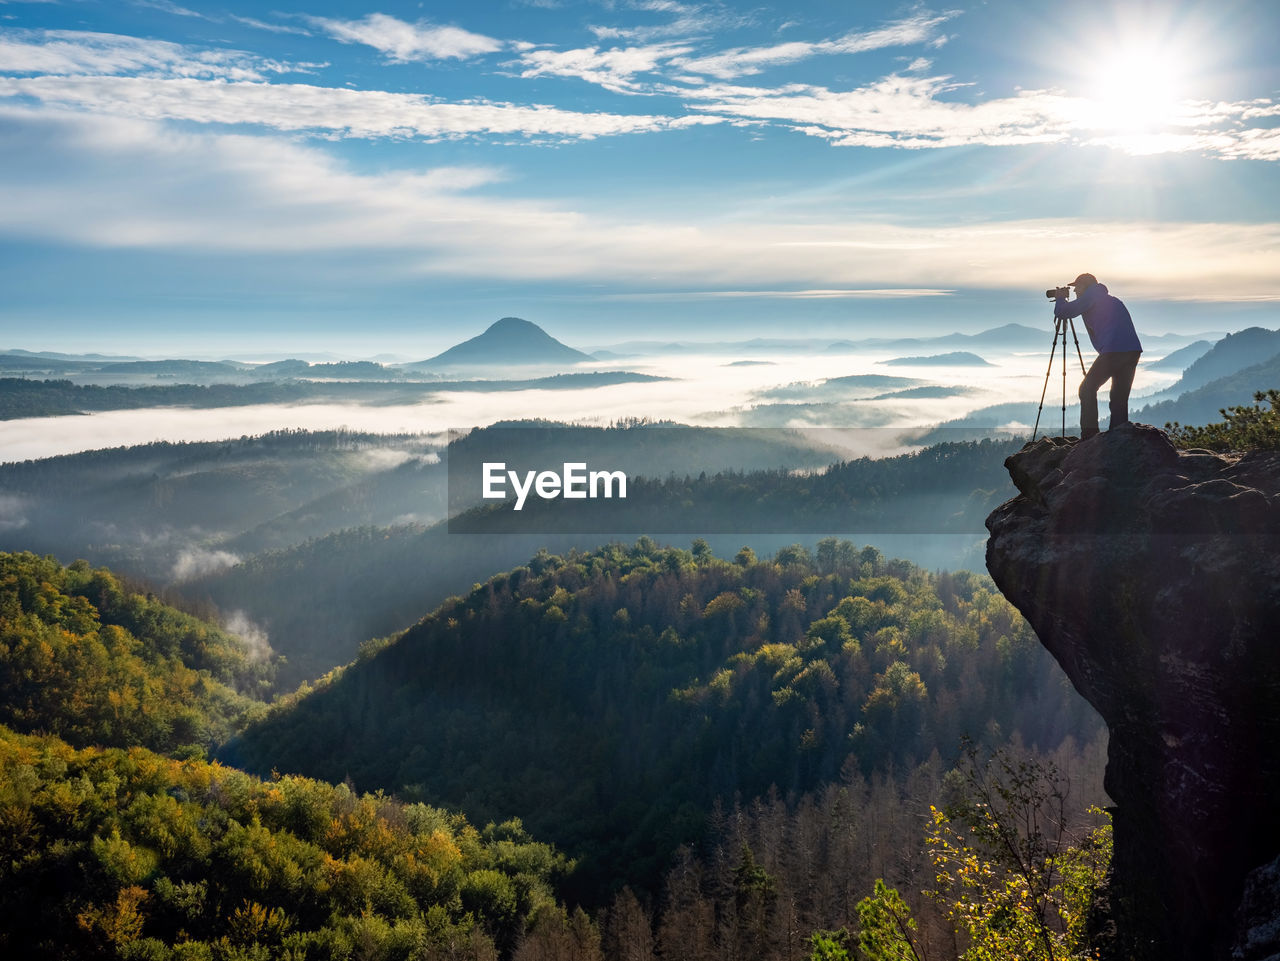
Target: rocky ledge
1153	576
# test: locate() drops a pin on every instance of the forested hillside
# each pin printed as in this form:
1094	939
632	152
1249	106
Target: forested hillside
128	854
610	698
87	659
166	511
750	744
322	535
110	849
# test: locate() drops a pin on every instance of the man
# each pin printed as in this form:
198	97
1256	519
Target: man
1111	330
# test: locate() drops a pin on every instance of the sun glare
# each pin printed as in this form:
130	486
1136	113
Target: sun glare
1138	89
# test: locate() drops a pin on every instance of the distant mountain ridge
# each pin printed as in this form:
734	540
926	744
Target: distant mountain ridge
1012	337
1203	405
1232	354
1183	357
58	355
957	358
175	366
510	340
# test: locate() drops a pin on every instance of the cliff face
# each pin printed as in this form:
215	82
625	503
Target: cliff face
1153	576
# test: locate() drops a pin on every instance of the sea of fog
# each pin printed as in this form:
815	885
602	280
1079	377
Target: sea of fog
709	390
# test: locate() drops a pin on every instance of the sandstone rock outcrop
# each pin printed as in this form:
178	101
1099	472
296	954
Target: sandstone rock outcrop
1153	576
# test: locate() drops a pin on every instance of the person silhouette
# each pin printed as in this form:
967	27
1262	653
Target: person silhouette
1113	336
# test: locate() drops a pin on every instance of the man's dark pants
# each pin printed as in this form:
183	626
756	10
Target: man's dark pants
1117	367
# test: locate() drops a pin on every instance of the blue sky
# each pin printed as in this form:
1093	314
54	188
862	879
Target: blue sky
391	176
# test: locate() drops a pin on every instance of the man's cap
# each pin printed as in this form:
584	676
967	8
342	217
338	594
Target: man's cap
1084	279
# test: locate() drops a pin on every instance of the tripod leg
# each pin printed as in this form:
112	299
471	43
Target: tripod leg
1077	340
1052	350
1064	378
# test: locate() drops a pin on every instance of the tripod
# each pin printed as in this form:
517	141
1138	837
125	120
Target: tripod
1060	325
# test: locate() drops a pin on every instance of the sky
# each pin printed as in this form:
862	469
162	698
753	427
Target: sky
214	178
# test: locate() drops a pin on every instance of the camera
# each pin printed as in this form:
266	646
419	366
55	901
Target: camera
1057	292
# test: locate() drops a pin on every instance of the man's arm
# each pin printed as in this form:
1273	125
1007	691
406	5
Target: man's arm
1064	309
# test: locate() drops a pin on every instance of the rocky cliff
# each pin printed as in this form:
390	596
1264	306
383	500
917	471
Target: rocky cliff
1153	576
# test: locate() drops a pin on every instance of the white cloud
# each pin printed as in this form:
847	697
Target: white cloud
198	561
1253	145
613	69
168	6
745	61
338	111
255	637
687	20
135	184
909	112
80	53
899	111
616	68
12	512
271	27
404	42
158	80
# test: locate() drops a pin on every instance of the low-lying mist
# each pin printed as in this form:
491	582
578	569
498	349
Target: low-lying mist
818	390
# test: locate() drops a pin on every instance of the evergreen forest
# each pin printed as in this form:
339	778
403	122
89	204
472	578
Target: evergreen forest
610	698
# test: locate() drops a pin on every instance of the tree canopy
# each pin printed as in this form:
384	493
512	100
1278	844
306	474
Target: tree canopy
1244	427
610	697
86	658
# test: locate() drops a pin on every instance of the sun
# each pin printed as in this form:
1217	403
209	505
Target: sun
1138	87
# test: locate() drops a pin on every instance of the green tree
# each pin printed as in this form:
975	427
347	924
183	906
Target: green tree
186	859
756	893
886	929
1245	427
85	659
829	945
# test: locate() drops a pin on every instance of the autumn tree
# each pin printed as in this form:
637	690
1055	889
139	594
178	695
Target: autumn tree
1015	876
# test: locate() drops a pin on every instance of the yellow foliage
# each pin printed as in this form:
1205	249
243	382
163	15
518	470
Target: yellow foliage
723	604
119	922
251	923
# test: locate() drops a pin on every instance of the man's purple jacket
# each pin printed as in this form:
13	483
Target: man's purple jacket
1105	318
